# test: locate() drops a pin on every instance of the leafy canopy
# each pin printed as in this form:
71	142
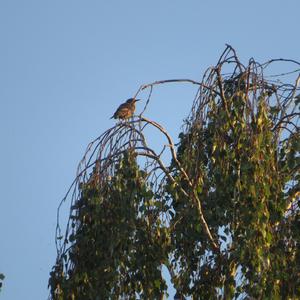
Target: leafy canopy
222	216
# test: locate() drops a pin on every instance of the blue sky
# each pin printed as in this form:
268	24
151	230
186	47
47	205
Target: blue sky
64	68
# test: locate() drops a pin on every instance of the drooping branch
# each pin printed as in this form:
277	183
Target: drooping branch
191	193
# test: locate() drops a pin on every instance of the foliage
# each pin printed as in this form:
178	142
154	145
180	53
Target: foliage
119	239
223	217
2	277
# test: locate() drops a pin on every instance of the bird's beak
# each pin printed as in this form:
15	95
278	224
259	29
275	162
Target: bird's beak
137	100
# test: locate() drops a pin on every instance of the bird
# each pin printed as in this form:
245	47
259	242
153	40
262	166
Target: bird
126	109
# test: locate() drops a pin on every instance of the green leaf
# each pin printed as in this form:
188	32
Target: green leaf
157	283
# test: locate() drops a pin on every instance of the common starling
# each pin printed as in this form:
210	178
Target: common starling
126	109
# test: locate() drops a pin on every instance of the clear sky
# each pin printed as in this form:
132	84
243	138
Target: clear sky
65	65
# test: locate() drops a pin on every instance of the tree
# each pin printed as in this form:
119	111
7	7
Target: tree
223	216
2	277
